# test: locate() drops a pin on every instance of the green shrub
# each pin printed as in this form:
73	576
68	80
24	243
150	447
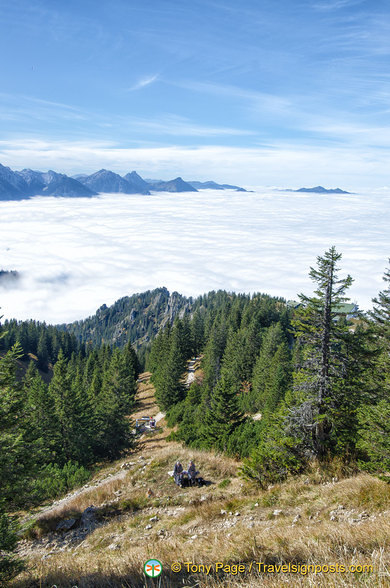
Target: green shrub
133	504
374	436
55	480
270	463
10	566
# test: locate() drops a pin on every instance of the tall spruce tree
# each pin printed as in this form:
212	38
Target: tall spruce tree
272	372
40	407
380	317
68	395
18	458
374	419
169	376
321	334
18	450
223	414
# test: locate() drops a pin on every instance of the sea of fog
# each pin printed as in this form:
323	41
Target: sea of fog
74	254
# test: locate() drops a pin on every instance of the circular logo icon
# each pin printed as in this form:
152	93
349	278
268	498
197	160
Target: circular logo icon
153	568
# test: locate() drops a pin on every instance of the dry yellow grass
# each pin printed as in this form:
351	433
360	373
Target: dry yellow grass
200	525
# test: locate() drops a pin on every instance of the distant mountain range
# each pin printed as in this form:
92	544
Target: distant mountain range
321	190
18	185
214	186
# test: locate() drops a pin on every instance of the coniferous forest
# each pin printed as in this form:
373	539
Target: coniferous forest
279	385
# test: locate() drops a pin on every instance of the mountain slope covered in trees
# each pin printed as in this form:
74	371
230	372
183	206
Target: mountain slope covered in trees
282	389
318	380
136	318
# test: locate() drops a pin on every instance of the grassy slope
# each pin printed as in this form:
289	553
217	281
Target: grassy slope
192	528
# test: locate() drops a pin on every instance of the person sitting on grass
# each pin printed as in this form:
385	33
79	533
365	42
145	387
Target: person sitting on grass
192	471
178	472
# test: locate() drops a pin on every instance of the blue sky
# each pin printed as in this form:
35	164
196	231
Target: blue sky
256	92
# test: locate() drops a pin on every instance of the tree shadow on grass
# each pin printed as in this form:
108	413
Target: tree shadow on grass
62	579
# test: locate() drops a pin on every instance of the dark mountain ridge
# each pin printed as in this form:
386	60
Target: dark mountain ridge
18	185
136	318
110	182
176	185
210	185
321	190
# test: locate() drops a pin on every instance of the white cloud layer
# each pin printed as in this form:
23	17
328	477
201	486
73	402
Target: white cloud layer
287	165
76	254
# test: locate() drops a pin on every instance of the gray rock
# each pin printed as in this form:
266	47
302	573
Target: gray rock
88	520
149	527
114	546
277	513
66	525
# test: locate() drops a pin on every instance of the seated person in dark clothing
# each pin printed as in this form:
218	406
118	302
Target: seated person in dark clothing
192	471
177	472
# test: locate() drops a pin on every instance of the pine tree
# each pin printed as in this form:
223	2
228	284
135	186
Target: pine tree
40	407
18	459
197	331
374	419
214	351
223	415
42	352
380	317
317	379
120	376
113	433
67	394
10	565
169	377
272	371
374	436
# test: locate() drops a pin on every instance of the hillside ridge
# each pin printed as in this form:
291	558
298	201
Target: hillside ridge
132	511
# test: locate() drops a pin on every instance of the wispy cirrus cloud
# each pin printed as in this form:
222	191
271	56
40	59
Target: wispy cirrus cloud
21	107
143	82
276	103
182	126
336	5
